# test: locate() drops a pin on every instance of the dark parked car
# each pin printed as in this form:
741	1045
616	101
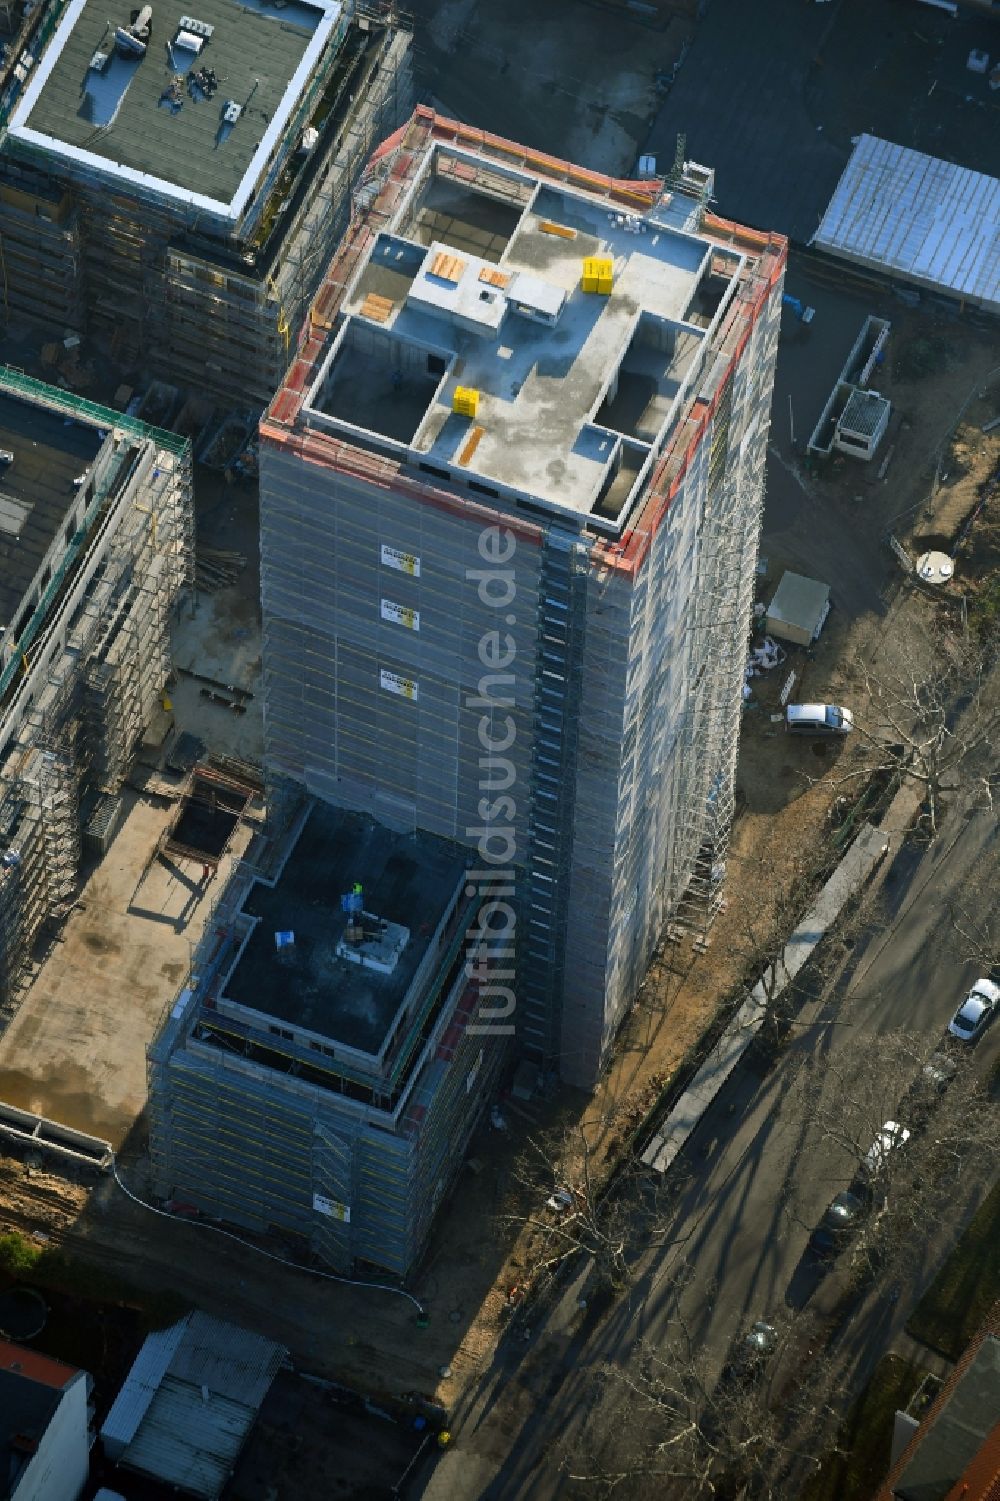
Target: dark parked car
751	1352
836	1226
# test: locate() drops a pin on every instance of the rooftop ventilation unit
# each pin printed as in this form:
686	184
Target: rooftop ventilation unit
231	111
196	28
99	61
132	40
188	42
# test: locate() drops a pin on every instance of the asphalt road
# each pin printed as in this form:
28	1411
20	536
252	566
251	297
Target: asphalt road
759	1177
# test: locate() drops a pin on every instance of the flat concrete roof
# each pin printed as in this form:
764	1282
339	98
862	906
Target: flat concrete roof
116	121
576	390
37	494
408	880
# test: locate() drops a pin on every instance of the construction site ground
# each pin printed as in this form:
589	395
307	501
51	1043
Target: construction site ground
76	1049
581	82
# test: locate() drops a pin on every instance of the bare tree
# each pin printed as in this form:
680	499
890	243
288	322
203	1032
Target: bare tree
775	1406
556	1203
935	718
565	1210
670	1425
979	935
943	1127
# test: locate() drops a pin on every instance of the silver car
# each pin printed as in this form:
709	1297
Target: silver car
818	719
892	1136
976	1012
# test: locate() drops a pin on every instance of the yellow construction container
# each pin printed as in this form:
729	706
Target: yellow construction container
598	274
465	401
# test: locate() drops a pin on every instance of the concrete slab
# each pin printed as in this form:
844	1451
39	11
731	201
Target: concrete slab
76	1050
541	360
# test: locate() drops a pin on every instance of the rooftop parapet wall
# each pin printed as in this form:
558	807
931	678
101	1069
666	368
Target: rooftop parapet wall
391	171
765	276
389	183
187	154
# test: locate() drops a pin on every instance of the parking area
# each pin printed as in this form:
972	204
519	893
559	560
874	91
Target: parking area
770	95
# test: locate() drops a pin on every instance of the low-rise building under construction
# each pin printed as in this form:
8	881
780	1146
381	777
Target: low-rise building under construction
96	534
178	183
324	1067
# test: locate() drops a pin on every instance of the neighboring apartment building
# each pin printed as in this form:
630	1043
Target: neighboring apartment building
953	1452
511	494
180	189
45	1434
96	546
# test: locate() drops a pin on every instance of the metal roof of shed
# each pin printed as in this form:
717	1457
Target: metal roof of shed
926	220
189	1402
799	601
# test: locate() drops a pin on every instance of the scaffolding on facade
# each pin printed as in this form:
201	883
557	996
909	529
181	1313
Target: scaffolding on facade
635	667
734	509
251	1125
86	675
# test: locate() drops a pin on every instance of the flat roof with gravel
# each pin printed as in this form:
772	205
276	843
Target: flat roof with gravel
115	119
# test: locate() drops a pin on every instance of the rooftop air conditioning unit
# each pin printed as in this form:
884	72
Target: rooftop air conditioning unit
196	28
231	111
99	61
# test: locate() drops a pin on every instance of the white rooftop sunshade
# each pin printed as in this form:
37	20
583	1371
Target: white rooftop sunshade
922	219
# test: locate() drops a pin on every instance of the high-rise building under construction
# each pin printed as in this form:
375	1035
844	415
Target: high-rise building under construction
510	500
511	494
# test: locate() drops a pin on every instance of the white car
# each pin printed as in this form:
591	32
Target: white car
818	719
976	1012
892	1136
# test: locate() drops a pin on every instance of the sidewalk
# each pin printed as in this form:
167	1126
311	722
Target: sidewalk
862	857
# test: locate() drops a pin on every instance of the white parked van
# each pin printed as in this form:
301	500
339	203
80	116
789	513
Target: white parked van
818	719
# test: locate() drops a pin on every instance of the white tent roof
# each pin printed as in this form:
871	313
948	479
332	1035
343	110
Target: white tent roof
927	221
